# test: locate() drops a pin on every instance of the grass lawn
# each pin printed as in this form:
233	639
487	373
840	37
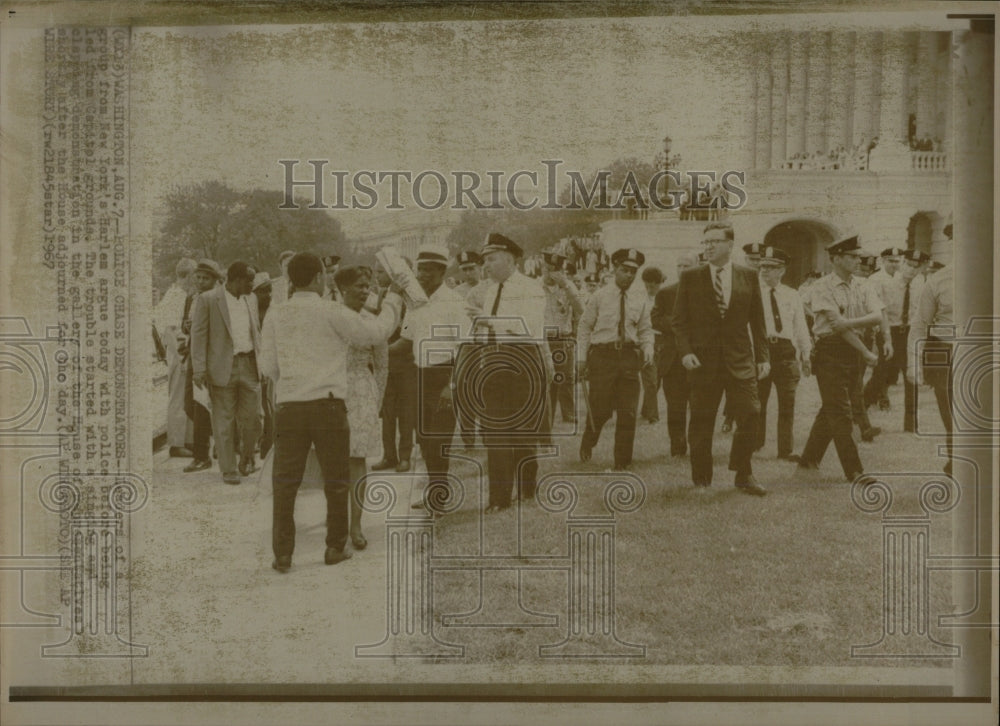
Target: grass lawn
717	577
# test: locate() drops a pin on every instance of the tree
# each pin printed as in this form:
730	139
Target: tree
212	220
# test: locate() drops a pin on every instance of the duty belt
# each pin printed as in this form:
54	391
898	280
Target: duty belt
617	345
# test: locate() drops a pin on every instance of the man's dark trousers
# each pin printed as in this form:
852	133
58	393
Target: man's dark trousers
784	376
707	387
435	420
676	391
613	382
399	412
300	425
514	420
835	364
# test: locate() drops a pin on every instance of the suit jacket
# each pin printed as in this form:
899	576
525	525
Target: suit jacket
721	341
666	342
211	342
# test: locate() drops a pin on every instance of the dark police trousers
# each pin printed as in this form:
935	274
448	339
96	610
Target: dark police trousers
435	420
784	376
707	387
563	389
399	412
835	365
613	380
300	425
937	373
513	379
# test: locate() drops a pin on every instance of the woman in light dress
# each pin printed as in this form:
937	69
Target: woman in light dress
367	369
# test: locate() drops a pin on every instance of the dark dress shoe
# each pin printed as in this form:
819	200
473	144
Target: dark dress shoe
383	465
494	508
947	468
403	465
248	467
358	541
749	485
332	556
198	465
282	563
803	463
585	452
231	479
180	452
868	435
787	457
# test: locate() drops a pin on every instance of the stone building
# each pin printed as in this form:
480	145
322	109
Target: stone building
845	132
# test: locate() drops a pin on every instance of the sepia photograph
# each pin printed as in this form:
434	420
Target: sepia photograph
481	362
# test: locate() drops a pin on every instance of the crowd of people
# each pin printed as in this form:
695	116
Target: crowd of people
838	158
340	360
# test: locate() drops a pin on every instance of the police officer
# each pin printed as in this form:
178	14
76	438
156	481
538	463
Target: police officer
885	283
789	344
563	308
515	370
838	303
912	282
614	342
471	288
876	338
935	308
752	252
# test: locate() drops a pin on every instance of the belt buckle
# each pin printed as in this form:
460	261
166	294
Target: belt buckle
618	345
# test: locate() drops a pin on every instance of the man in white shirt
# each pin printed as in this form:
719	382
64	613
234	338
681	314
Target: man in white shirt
615	342
279	286
435	330
225	346
789	345
167	317
304	351
515	372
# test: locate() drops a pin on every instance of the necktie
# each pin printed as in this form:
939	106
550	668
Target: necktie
720	298
906	304
775	313
621	317
491	337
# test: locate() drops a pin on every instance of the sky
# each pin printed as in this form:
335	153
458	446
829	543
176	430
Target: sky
229	103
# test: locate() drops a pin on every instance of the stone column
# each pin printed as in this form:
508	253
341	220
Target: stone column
762	117
779	100
818	92
842	66
798	65
892	110
927	86
942	65
866	57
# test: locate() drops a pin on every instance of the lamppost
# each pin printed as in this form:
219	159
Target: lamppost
667	162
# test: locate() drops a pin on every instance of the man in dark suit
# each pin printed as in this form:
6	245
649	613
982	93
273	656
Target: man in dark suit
716	312
668	362
225	345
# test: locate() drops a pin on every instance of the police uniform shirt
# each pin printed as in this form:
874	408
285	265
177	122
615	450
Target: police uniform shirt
892	294
934	307
442	318
793	317
830	295
521	308
599	322
559	304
